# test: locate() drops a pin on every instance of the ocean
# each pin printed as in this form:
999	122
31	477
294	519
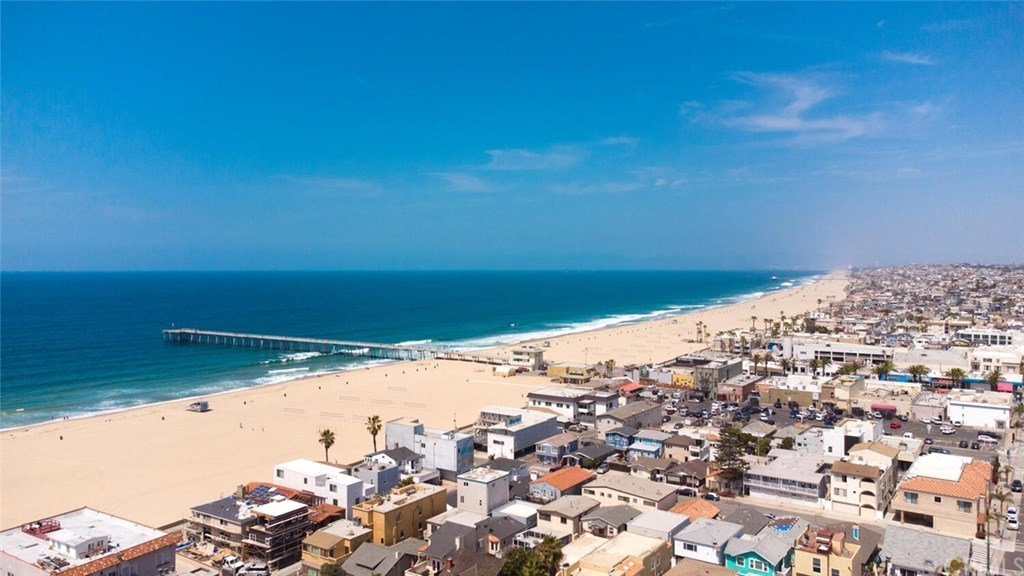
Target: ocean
73	344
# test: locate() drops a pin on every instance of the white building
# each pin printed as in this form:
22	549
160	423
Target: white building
481	490
987	336
1006	359
448	451
980	408
515	431
329	482
85	542
705	540
529	357
837	353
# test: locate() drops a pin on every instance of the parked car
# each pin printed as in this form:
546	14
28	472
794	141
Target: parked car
925	420
876	415
929	441
687	491
947	430
938	450
1017	486
820	416
987	439
895	425
665	419
902	417
677	425
602	468
957	423
975	446
908	434
964	444
1011	512
711	496
794	414
1013	524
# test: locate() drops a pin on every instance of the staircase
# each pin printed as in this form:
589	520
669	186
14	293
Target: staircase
978	559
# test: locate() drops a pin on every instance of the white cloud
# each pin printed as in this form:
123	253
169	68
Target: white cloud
464	182
555	158
794	114
880	24
577	189
909	58
628	141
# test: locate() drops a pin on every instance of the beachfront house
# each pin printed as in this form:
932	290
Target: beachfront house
509	432
331	483
448	451
481	490
551	450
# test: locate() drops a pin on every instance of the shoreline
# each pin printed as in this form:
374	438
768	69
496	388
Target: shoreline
152	462
528	338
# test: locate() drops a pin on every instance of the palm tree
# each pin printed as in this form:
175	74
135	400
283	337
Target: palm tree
1002	498
786	364
824	364
1007	472
327	439
609	368
993	378
373	426
756	359
849	367
753	323
814	364
957	376
918	371
882	370
743	345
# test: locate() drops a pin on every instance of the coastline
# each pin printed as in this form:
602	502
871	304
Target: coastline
152	462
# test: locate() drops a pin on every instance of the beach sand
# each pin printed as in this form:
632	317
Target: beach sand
150	464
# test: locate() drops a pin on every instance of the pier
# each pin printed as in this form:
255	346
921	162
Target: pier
323	346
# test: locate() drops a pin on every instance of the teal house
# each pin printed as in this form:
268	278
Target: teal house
759	556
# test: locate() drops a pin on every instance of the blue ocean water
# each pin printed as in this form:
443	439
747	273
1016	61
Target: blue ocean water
81	343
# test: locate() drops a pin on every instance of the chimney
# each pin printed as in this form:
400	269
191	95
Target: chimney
839	543
449	564
240	491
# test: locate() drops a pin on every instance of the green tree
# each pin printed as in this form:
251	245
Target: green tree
993	378
548	557
755	360
787	443
327	439
332	569
957	376
814	364
407	481
849	368
590	463
609	368
732	447
764	445
373	426
918	371
515	561
883	369
786	365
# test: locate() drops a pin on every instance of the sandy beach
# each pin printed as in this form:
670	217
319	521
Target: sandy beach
151	463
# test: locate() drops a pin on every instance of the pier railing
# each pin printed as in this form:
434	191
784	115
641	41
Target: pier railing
323	346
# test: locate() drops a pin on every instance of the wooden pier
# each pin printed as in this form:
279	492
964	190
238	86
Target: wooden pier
323	346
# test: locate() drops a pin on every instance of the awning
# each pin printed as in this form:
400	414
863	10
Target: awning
884	407
1004	387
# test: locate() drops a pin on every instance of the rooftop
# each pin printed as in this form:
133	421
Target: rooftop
483	475
559	392
400	497
279	508
641	487
125	538
660	520
570	506
565	478
921	550
709	532
859	470
697	508
622	545
312	468
613	515
948	475
632	409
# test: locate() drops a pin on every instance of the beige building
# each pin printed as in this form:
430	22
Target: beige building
614	488
839	550
628	554
863	483
571	372
332	544
401	514
944	492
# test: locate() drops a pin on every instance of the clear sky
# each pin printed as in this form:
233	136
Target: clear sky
481	135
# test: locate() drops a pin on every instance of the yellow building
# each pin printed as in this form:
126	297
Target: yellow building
571	372
401	514
628	554
332	544
842	549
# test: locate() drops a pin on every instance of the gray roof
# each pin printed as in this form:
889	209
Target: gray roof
656	435
225	509
373	558
442	541
751	520
506	464
570	506
631	409
709	532
695	468
503	526
659	520
623	431
922	551
768	547
613	515
597	451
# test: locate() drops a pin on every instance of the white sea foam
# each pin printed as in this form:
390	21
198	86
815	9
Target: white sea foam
415	342
786	284
288	370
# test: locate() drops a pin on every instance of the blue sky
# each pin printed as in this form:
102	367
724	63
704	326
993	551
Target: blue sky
477	135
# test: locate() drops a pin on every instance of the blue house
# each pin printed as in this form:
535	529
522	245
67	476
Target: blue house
759	556
552	450
620	438
648	443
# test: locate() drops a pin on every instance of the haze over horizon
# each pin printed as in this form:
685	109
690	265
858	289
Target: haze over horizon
270	136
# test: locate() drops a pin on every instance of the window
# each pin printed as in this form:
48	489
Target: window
305	480
757	565
834	572
841	492
816	565
333	487
564	521
462	499
739	561
280	473
910	497
963	506
938	499
689	547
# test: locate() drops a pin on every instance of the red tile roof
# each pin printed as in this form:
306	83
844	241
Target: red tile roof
973	482
566	478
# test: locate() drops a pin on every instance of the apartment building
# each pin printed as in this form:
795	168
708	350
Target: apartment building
448	451
509	432
332	483
401	514
627	554
275	537
637	415
841	549
85	542
788	475
616	488
863	484
944	492
332	544
914	552
564	482
550	451
481	490
565	515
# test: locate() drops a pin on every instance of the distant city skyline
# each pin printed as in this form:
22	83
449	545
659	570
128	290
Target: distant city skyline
262	136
